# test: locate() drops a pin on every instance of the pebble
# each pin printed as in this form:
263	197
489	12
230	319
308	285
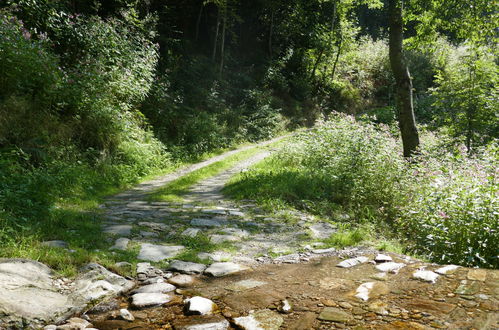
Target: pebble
126	315
392	267
425	275
182	280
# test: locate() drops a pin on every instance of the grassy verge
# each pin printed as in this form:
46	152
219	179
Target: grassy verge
174	191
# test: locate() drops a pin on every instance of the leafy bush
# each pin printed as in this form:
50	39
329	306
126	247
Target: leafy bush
444	205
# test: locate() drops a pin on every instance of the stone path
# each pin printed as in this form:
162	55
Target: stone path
246	233
258	273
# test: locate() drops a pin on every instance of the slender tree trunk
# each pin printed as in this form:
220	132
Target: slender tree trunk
318	60
403	88
340	46
215	42
271	31
198	21
222	48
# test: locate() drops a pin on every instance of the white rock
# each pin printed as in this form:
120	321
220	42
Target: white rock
323	251
155	288
210	322
363	290
140	300
199	306
446	269
383	258
425	275
223	268
285	307
392	267
187	267
126	315
260	320
352	262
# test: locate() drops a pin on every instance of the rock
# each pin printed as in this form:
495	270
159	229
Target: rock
120	244
215	211
223	268
187	267
378	307
140	300
97	283
50	327
148	234
425	275
236	213
371	290
74	323
322	230
235	232
205	223
323	251
182	280
245	285
155	288
27	295
382	258
468	288
477	275
285	307
208	322
154	225
352	262
391	267
55	244
449	269
121	230
191	232
126	315
157	253
259	320
335	315
154	280
105	306
304	322
199	306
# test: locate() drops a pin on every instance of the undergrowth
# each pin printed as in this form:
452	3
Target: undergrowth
443	205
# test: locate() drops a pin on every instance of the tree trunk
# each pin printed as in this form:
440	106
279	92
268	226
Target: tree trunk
198	21
331	31
215	42
403	88
222	47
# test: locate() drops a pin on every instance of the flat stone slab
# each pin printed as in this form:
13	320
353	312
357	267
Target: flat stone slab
322	230
223	268
182	280
425	275
334	315
382	258
352	262
141	300
186	267
262	319
154	225
153	252
216	239
245	285
449	269
235	232
199	306
160	287
204	322
391	267
120	244
205	223
120	230
29	294
191	232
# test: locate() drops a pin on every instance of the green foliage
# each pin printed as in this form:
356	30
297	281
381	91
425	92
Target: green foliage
444	205
466	97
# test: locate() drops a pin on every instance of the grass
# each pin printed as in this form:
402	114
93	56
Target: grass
174	191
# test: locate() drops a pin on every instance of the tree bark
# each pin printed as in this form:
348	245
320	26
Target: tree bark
198	21
222	47
215	42
403	88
